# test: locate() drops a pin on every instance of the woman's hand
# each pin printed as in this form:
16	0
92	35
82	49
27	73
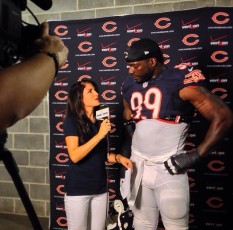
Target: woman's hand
105	127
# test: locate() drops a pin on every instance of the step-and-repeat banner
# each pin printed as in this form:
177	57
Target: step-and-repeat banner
202	37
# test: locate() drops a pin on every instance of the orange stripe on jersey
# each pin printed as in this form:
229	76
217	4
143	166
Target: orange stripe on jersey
194	76
193	86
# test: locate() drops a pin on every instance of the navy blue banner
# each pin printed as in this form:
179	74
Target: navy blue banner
202	37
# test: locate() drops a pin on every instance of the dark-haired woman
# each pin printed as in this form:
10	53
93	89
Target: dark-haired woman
86	180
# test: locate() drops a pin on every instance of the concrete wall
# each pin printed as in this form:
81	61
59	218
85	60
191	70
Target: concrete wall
29	139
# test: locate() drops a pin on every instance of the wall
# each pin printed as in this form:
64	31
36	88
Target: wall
29	139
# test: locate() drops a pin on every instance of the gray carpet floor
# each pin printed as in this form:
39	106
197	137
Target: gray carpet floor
16	222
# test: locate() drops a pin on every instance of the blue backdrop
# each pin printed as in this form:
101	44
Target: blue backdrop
203	37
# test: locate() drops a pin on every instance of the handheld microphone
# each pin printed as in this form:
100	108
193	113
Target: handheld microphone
103	112
43	4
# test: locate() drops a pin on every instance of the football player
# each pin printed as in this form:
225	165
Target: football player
159	103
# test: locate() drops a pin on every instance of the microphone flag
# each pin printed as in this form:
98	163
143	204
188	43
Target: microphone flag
103	112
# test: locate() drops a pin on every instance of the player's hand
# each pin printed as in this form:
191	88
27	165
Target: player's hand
51	43
178	164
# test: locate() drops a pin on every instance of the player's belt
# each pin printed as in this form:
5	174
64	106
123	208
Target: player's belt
178	119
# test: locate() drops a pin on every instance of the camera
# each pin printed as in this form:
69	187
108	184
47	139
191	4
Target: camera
15	36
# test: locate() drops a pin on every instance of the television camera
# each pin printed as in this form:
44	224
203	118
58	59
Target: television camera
16	36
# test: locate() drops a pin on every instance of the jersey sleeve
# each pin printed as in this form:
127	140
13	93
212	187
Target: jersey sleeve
126	85
191	77
194	78
70	127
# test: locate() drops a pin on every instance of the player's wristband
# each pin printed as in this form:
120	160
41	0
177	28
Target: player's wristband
55	59
129	122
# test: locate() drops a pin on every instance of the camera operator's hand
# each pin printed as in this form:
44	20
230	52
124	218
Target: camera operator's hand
51	43
24	85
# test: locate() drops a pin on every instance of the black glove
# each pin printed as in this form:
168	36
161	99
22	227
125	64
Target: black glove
180	163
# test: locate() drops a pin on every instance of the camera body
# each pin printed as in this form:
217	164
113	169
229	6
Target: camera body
10	20
16	38
10	32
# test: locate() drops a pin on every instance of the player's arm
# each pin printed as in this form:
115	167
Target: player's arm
217	113
24	85
127	113
128	130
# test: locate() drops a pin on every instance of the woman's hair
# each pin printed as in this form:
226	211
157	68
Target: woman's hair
75	108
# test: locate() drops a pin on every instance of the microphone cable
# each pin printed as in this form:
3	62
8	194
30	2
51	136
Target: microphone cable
107	172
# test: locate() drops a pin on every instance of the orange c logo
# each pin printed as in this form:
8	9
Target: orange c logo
215	56
59	189
109	91
109	30
224	91
62	157
82	45
158	23
216	166
61	30
190	43
216	18
62	221
105	61
215	202
61	95
58	126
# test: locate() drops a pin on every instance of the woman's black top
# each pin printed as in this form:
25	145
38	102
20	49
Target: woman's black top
88	176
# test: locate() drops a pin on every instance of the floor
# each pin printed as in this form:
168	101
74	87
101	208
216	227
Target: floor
15	222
